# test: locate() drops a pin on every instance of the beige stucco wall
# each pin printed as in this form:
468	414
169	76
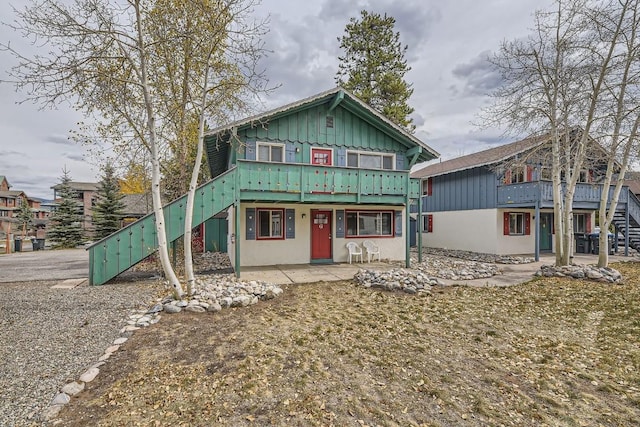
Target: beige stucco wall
298	250
478	230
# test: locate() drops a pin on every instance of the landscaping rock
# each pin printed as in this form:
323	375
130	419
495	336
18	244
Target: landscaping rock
579	271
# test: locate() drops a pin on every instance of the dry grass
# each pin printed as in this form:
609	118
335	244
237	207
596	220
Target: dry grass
550	352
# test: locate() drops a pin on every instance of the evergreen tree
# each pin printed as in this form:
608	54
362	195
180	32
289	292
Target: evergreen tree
373	66
66	221
25	216
109	209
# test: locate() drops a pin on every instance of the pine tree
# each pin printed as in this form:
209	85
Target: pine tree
66	221
25	216
373	67
109	210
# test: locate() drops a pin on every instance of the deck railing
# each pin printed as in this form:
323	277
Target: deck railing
313	179
530	192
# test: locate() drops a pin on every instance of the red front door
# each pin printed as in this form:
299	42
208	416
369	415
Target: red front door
321	156
321	235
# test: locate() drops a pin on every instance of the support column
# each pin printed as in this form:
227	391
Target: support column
407	229
537	236
236	223
420	219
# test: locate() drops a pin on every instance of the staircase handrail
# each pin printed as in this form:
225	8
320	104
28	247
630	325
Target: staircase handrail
150	214
634	206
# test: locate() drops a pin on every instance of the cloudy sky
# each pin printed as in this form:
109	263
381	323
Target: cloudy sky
447	43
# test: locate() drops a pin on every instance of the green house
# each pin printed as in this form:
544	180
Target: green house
297	183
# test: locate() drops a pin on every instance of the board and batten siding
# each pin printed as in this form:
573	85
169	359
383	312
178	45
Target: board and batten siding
308	128
463	190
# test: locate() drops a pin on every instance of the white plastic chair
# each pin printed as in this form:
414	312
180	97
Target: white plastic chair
354	251
372	249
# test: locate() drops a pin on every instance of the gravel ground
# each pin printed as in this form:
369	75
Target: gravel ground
51	336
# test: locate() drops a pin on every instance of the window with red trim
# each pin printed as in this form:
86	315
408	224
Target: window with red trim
270	223
369	223
518	174
582	223
517	223
428	223
427	187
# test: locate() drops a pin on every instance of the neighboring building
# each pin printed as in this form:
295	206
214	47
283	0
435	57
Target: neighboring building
135	207
500	201
297	183
86	198
10	202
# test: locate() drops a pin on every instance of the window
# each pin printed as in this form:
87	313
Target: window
427	187
545	174
270	152
517	223
368	160
270	224
369	223
582	223
584	176
517	174
427	224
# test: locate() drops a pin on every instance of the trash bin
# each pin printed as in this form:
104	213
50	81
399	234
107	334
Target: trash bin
17	245
583	245
595	243
37	244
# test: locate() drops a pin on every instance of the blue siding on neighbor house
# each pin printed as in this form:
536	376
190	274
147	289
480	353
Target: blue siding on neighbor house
464	190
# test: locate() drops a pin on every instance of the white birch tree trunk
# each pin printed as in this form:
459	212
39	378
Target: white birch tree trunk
163	249
188	221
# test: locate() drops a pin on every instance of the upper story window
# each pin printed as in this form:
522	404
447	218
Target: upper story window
584	176
545	174
370	160
517	174
267	152
427	187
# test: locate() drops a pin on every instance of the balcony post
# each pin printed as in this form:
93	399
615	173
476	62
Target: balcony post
537	226
236	224
419	224
407	223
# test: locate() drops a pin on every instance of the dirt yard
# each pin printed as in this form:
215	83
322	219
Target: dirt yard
550	352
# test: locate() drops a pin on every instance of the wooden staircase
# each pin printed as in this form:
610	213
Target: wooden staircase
133	243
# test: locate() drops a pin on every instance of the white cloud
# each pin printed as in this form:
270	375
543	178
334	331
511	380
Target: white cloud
446	42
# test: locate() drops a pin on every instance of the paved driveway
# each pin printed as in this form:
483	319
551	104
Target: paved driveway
44	265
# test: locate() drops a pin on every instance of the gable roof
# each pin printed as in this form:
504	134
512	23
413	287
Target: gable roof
481	158
4	179
345	99
12	194
79	186
137	204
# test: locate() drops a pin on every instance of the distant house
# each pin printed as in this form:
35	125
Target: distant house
500	201
10	202
135	207
86	198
